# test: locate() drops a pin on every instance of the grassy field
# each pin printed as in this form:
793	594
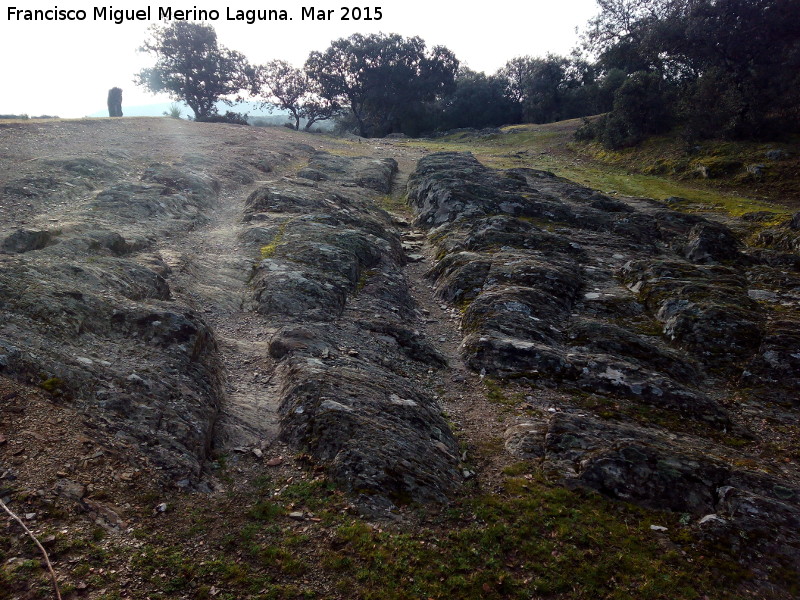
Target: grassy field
661	168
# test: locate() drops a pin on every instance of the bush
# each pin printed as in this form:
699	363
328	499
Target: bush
714	106
174	111
619	132
590	130
229	117
641	108
345	124
263	122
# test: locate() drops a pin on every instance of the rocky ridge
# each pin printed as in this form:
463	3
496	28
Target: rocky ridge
623	303
90	315
331	269
198	301
311	262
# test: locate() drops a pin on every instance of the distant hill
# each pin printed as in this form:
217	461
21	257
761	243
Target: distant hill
156	110
257	115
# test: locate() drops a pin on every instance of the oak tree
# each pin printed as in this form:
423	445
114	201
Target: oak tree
192	67
290	89
382	79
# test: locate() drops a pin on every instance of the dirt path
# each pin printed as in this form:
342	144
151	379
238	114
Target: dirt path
213	268
477	422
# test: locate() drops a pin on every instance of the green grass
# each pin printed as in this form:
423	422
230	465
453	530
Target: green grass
551	148
394	204
265	511
52	385
268	250
533	540
313	495
363	278
651	186
496	394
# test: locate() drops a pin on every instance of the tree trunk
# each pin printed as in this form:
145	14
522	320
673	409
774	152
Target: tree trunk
362	127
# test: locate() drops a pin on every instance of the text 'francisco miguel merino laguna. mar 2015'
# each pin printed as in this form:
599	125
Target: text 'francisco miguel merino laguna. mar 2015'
166	13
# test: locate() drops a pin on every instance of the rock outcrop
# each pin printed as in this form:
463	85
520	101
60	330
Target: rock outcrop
533	259
228	310
104	303
88	314
329	267
621	307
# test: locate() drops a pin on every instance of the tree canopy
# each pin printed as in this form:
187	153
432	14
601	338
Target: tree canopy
734	65
191	66
478	100
382	79
552	88
288	88
706	68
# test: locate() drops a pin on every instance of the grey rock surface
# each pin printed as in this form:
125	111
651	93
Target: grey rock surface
659	332
346	381
98	328
371	173
531	259
665	471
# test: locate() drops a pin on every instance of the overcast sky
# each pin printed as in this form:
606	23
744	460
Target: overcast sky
65	68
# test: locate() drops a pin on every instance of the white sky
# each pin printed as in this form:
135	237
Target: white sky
66	68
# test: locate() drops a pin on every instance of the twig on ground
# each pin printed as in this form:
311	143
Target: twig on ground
36	541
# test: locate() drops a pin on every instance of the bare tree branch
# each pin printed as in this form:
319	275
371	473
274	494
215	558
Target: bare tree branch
36	541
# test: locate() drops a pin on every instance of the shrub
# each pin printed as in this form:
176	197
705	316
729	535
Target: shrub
229	117
641	108
590	129
174	111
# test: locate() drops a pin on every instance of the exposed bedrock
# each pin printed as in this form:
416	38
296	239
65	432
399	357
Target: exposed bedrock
329	267
362	171
675	299
534	261
94	305
87	312
705	310
640	313
377	433
664	471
